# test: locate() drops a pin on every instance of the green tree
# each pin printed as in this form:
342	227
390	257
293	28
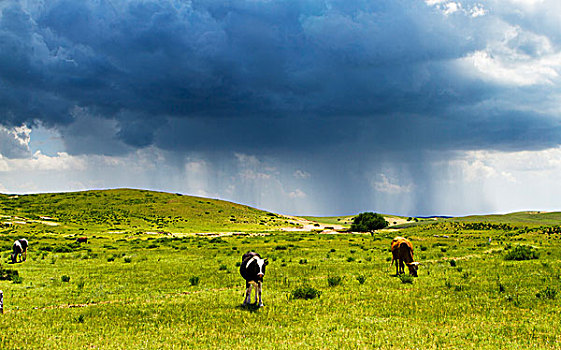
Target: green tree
368	221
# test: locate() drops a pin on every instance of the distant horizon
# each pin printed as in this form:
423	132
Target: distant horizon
298	215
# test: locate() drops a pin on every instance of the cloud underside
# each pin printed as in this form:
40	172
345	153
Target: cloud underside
317	106
282	75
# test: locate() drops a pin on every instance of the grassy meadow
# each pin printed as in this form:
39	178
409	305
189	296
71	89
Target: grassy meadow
145	280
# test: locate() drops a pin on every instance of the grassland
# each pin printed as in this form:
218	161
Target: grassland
138	211
130	290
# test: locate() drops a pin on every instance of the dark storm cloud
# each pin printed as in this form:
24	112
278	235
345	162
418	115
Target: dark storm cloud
271	75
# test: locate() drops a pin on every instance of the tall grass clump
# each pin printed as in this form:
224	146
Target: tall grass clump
305	292
194	280
522	252
334	281
8	274
406	278
548	293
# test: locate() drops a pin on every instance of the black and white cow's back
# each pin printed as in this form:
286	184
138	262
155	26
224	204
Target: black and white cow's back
19	249
252	270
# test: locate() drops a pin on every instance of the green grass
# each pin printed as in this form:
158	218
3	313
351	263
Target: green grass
137	211
186	292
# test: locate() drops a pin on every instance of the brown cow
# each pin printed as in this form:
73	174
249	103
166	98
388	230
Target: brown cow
82	240
402	252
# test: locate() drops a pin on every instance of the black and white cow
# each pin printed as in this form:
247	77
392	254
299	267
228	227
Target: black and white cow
19	248
252	270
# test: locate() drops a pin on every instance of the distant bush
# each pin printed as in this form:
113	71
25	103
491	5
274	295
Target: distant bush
303	261
453	263
127	259
305	292
64	248
194	280
333	281
8	274
223	267
368	221
65	278
281	247
501	288
548	293
361	279
522	252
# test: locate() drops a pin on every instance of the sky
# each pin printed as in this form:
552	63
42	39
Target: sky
305	107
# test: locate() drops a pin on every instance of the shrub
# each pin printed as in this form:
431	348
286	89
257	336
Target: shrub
453	263
80	285
501	288
368	221
303	261
65	278
350	259
128	259
305	292
404	278
8	274
333	281
194	280
548	293
223	267
361	279
522	252
64	248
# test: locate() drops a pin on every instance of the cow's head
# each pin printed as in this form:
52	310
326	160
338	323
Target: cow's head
413	267
261	264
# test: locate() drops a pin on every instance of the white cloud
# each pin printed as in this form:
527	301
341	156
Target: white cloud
451	7
298	193
14	142
477	11
518	58
448	7
387	186
40	162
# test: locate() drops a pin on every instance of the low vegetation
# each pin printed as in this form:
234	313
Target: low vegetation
153	290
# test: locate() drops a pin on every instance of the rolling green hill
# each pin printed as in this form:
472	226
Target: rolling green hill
130	209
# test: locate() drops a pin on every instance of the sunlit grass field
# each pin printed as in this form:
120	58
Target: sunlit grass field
155	291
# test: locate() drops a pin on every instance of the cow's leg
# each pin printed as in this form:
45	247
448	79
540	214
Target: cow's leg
247	299
24	255
258	291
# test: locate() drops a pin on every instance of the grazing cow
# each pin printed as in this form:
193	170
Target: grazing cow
19	248
252	270
82	240
402	252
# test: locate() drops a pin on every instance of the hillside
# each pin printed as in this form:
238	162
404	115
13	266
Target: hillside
130	209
